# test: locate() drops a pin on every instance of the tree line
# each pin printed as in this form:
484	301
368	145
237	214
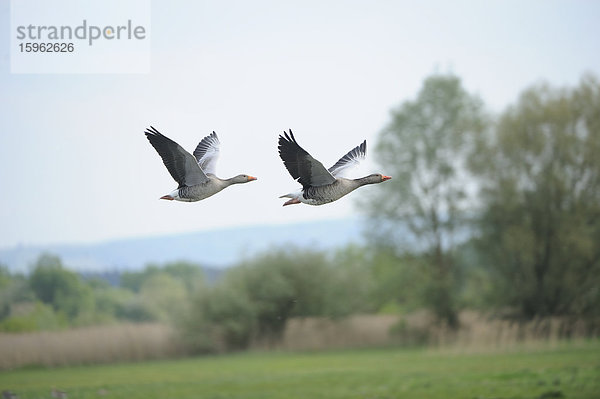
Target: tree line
52	297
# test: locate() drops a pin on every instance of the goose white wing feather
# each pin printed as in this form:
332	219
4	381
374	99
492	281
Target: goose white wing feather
207	153
349	161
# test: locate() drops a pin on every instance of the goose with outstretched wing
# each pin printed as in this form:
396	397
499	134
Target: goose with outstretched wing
319	185
194	174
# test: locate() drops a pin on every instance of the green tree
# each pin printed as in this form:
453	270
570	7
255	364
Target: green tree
33	316
282	284
60	288
255	299
540	225
221	318
189	274
162	292
425	148
400	281
352	287
134	280
165	295
14	289
109	302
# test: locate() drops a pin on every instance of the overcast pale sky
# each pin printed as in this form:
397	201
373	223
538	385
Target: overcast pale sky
75	165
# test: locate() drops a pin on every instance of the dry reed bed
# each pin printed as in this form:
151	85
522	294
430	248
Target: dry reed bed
477	332
90	345
138	342
316	333
481	332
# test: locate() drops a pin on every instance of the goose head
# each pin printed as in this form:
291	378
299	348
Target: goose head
241	179
374	178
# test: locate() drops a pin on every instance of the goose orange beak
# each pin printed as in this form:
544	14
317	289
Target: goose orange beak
384	178
250	178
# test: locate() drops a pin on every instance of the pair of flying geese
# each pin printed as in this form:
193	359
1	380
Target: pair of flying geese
196	178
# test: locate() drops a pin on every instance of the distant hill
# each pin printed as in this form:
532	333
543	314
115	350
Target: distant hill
213	248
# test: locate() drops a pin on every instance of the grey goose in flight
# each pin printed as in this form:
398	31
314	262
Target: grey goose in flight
319	185
194	174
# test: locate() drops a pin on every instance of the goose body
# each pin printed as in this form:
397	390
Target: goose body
319	185
195	174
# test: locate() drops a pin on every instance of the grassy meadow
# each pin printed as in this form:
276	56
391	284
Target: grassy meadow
566	370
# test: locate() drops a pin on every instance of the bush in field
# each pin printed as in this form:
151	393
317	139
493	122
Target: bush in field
109	300
165	295
137	311
402	281
189	274
60	288
50	298
33	316
258	297
13	289
220	318
158	293
5	283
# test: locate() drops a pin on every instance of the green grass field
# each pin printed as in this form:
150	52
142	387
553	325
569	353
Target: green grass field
569	371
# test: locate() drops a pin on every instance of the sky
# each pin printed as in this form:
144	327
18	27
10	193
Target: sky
75	165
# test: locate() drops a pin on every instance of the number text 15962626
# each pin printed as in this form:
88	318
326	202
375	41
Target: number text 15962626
46	47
